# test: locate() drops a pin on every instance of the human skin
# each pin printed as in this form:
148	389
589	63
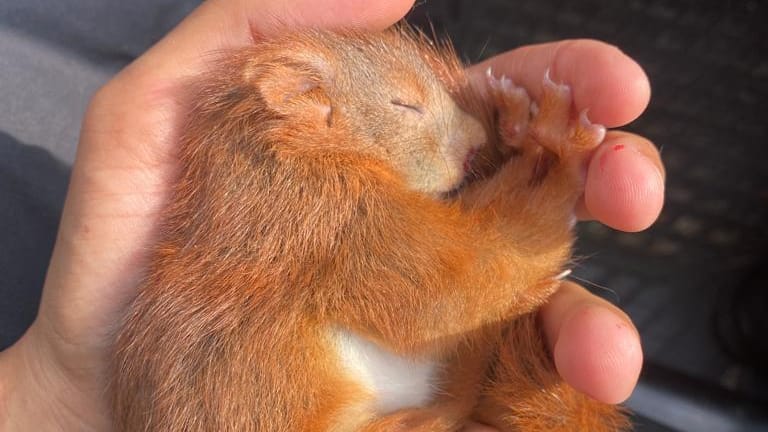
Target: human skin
54	377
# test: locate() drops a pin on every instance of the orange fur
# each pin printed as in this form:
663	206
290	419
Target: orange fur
290	217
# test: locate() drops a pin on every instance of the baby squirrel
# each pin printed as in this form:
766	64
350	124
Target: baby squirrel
324	267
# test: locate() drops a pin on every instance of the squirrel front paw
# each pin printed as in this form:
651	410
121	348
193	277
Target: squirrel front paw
512	107
555	127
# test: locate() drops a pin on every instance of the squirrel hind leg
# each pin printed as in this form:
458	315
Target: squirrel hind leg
525	393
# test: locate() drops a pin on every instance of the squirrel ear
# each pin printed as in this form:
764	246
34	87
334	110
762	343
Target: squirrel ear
295	89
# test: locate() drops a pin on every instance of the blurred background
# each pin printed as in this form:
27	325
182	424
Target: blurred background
696	284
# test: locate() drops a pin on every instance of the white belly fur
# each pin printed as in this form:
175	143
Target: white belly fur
394	381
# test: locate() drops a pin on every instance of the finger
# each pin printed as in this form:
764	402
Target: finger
604	80
596	347
625	183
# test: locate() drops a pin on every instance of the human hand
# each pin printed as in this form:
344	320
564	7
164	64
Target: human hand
55	376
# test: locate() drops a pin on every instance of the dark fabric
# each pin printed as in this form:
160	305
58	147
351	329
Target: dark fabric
33	186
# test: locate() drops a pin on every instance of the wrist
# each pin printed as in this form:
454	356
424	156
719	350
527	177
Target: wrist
36	393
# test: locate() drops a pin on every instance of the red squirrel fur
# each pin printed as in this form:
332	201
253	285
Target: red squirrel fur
308	204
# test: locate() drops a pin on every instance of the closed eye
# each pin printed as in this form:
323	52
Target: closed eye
400	103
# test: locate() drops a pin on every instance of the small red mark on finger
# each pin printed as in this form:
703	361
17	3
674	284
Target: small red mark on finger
606	155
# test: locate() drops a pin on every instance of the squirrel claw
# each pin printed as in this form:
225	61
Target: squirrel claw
513	105
594	132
